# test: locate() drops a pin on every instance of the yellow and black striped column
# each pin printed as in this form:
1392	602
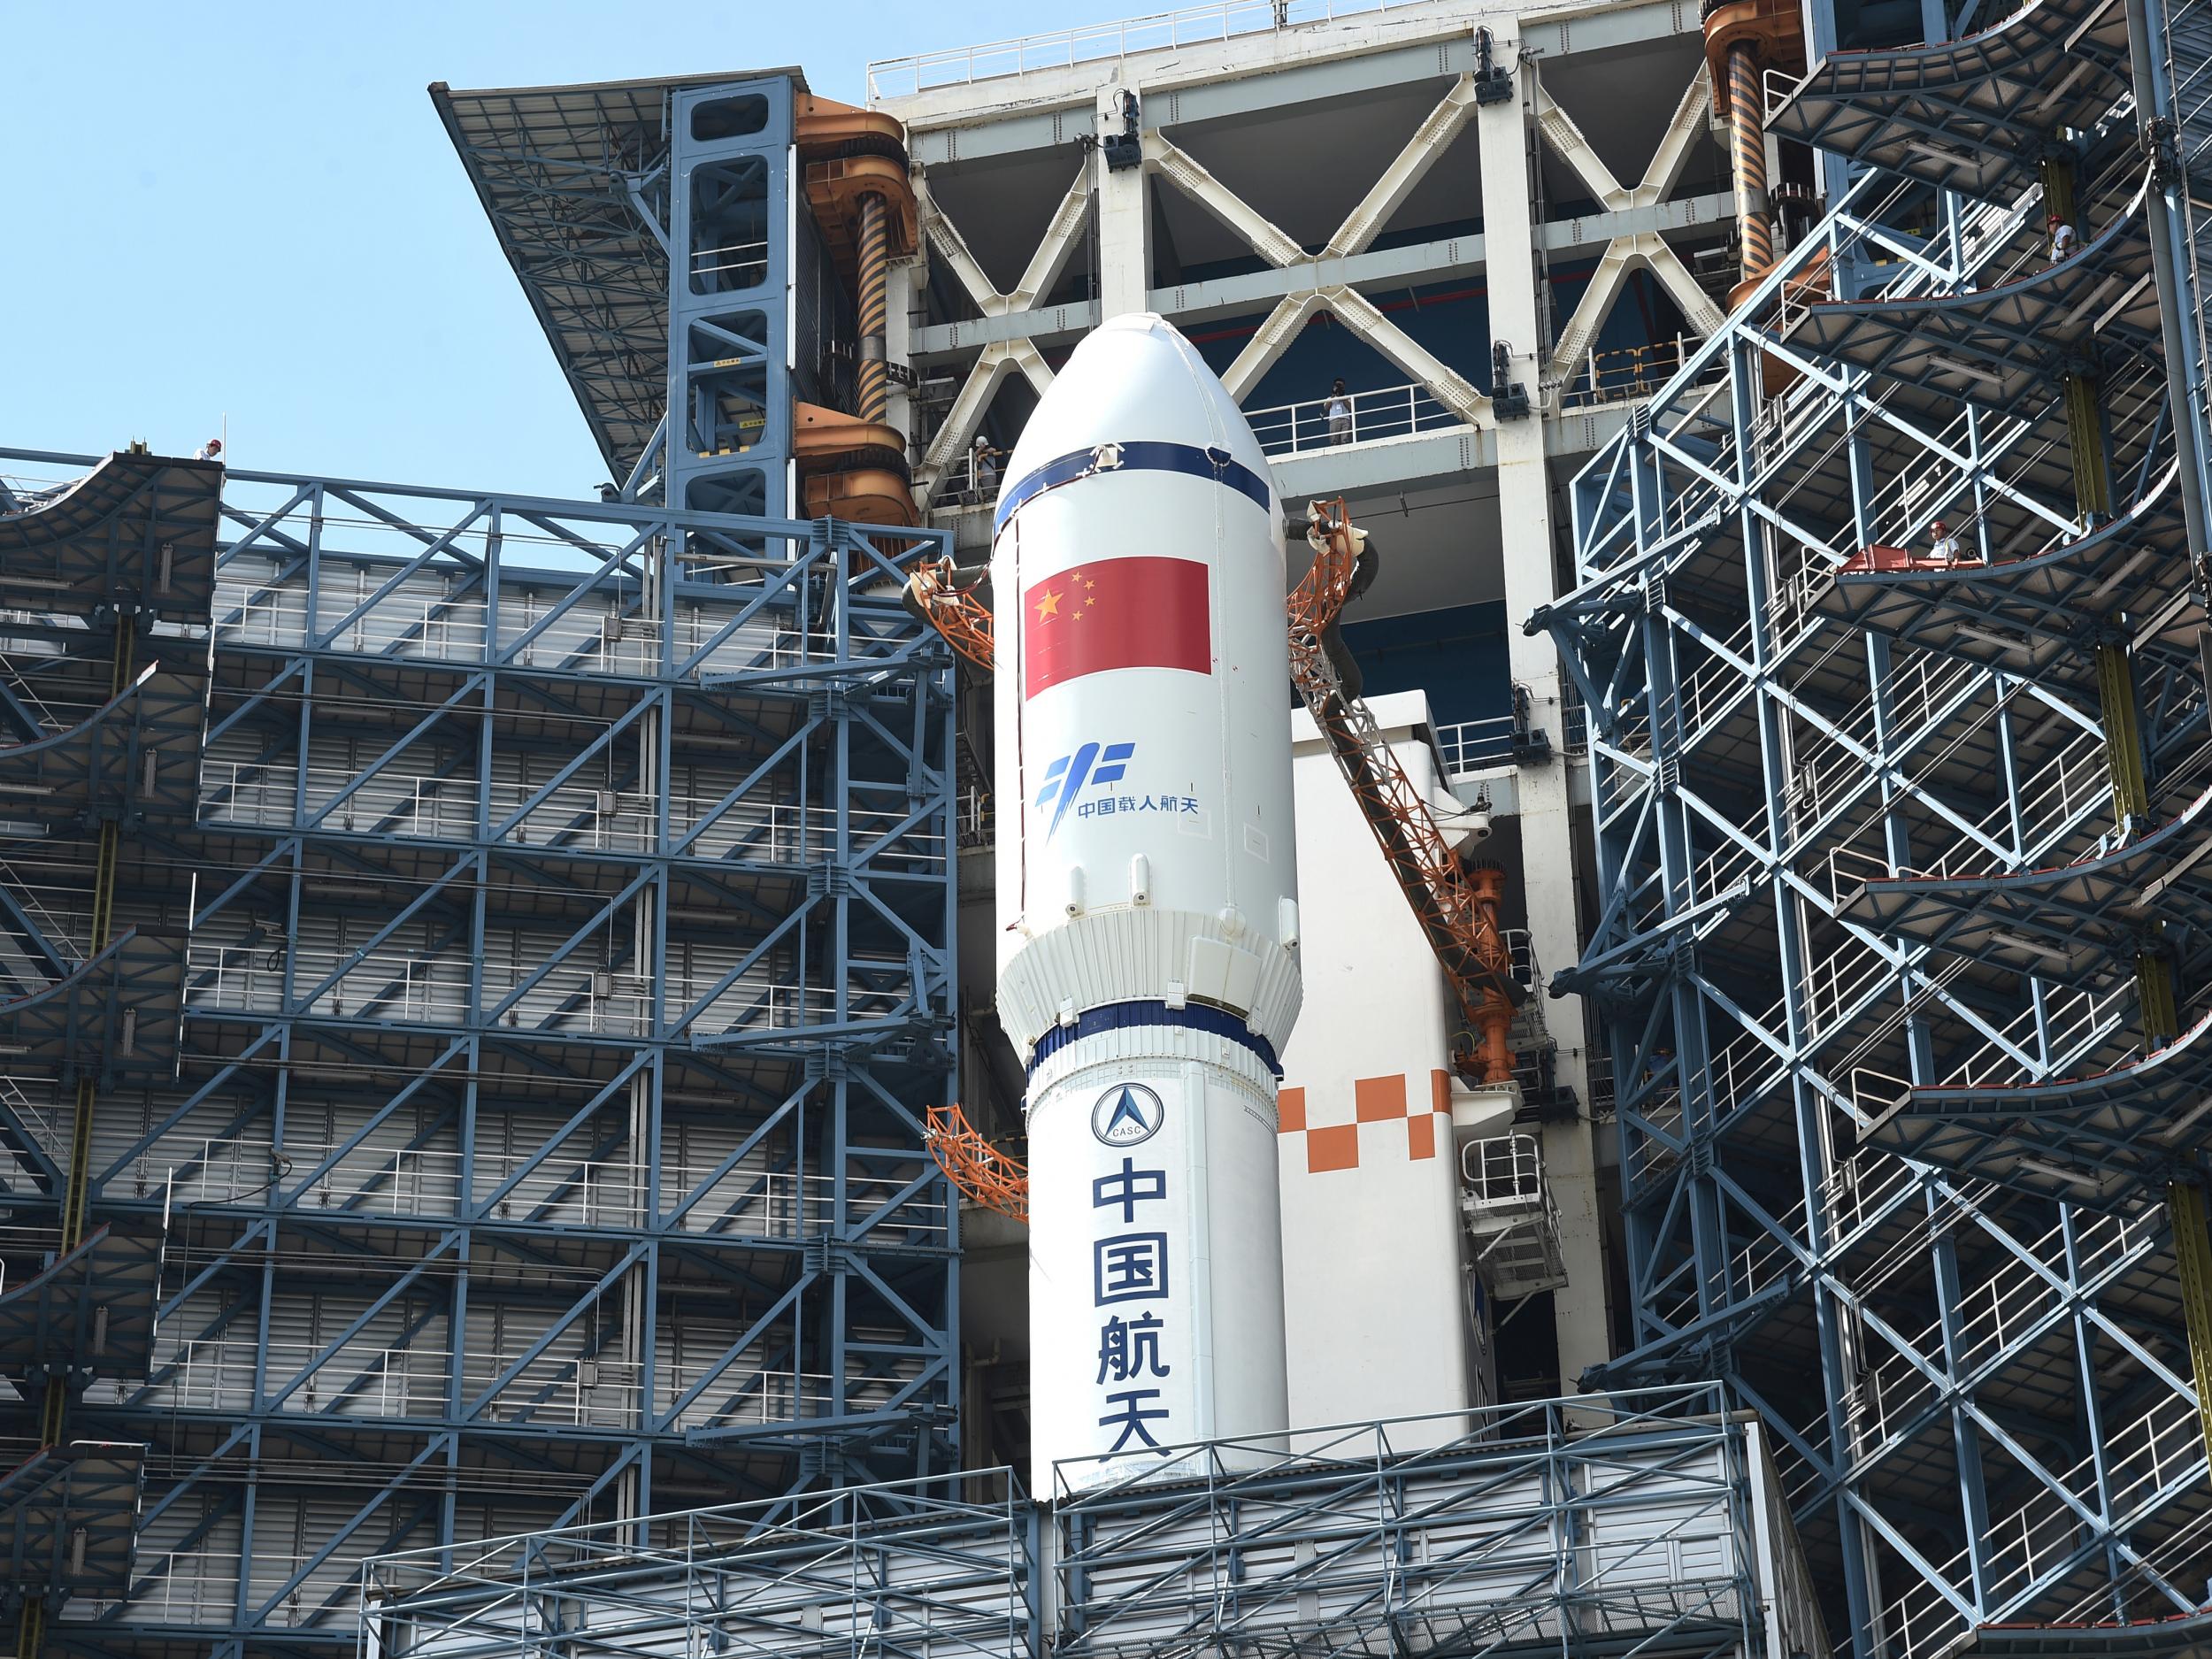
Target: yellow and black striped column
1747	116
873	381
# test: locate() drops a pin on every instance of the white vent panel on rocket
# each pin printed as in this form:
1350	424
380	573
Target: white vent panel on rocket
1147	903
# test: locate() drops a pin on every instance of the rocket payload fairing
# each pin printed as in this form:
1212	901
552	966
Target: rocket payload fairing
1146	901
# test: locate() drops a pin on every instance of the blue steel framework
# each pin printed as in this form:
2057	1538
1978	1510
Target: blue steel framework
1644	1526
659	231
1899	840
732	295
566	922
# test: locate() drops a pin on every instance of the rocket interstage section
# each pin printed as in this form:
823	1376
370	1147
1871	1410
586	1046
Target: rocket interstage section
1147	902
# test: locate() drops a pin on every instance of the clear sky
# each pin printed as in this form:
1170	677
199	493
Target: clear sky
251	210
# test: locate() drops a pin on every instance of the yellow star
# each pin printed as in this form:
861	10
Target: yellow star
1088	584
1048	606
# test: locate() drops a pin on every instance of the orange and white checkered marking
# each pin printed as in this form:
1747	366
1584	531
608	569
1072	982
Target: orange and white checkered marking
1336	1141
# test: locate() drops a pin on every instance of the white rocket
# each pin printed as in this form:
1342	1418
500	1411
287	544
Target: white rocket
1146	899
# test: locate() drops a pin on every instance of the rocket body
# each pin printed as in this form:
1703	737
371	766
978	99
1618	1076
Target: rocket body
1146	902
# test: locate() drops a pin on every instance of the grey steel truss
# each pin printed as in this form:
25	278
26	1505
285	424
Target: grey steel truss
1886	622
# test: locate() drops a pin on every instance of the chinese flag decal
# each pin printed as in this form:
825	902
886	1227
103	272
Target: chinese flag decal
1115	613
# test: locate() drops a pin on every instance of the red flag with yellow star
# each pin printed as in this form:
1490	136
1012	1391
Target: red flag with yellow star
1142	612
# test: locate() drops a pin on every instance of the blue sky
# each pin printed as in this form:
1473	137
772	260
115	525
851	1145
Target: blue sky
251	210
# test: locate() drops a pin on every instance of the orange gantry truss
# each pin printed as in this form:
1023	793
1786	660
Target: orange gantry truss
979	1169
1456	907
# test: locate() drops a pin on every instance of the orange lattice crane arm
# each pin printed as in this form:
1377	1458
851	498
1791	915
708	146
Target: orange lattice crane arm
949	599
1456	907
979	1169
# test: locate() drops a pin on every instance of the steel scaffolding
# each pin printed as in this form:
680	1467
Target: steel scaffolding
1649	1525
529	970
937	1569
1887	623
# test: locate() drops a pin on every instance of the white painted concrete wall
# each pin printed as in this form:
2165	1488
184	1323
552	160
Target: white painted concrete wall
1374	1282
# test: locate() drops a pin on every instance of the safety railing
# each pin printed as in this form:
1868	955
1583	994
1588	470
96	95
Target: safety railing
1468	746
543	1187
933	1569
2151	1456
1367	417
1520	951
2056	797
1059	48
592	639
1628	373
393	986
359	1379
974	818
2052	1040
46	1128
729	265
1503	1172
364	1378
201	1587
568	816
972	481
1855	1194
1574	721
738	1395
2024	1293
66	929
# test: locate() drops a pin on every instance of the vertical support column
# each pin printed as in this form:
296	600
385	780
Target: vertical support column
2192	1249
1750	157
2173	237
732	221
873	379
1580	1312
2181	320
1124	195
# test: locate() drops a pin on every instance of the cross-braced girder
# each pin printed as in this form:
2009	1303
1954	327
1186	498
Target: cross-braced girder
1886	622
561	902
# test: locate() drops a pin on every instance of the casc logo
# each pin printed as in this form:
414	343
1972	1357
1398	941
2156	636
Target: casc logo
1067	776
1127	1114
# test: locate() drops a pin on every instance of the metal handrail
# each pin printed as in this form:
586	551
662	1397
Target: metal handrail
1224	19
1368	417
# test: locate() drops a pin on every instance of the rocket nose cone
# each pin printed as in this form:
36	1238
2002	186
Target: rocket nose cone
1134	379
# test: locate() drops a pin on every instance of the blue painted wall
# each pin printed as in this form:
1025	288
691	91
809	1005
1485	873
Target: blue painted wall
1457	655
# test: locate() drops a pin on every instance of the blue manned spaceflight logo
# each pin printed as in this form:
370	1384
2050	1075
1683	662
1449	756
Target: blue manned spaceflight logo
1065	778
1127	1114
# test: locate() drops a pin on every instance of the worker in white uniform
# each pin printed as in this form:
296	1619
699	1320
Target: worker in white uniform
1946	550
1339	412
2062	240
